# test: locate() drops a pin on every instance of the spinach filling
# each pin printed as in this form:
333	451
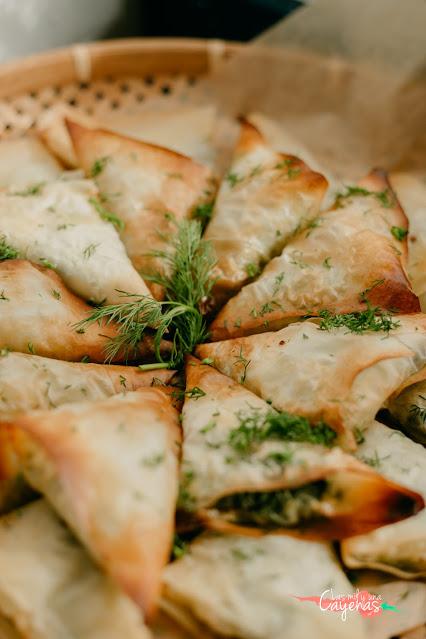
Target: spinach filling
276	509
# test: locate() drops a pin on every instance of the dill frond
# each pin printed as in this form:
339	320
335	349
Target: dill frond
187	284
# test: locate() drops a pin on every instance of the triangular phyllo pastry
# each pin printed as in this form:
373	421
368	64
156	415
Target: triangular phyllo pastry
110	469
265	198
148	187
330	375
248	469
29	382
399	548
51	589
64	225
352	258
248	588
39	315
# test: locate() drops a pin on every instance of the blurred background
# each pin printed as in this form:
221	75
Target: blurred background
29	26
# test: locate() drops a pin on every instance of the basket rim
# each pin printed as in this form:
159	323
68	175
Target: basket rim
84	61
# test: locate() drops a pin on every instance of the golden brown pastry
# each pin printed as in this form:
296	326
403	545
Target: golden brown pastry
265	198
29	382
51	589
333	375
65	225
110	469
247	588
38	315
248	469
400	548
146	186
353	256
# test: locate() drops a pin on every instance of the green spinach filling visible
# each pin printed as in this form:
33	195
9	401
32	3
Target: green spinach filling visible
275	509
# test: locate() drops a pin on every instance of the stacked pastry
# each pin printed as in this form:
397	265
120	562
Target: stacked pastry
225	498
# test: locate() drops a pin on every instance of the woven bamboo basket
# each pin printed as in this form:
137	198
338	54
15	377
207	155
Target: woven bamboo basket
100	77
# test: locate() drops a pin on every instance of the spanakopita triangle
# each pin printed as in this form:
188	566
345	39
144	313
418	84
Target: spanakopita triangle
248	588
399	548
50	587
247	468
29	382
333	375
110	469
264	199
39	315
353	257
150	189
74	234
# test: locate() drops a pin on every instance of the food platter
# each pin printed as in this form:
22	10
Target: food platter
232	358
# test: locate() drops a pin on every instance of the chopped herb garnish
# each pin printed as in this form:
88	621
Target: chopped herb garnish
6	251
89	251
31	348
153	461
256	427
374	461
208	361
233	179
33	189
185	499
399	233
195	393
385	197
98	166
277	283
372	319
85	359
106	214
252	269
56	294
208	427
180	547
123	381
288	165
45	262
203	212
326	262
359	436
3	297
240	359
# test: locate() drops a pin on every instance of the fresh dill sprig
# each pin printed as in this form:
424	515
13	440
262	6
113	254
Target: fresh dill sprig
187	284
188	263
7	252
372	319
